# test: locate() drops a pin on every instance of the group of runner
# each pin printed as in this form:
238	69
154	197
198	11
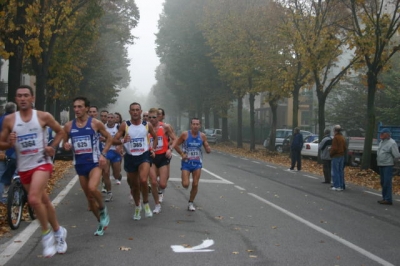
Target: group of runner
146	147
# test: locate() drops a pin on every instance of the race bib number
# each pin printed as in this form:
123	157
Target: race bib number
159	143
28	144
136	145
82	144
194	154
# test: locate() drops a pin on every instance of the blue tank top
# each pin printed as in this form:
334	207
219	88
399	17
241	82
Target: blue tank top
85	143
192	147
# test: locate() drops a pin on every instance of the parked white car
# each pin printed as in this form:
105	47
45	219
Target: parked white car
310	147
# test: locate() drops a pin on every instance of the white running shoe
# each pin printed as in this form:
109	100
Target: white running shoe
157	209
118	182
109	196
49	245
61	236
160	197
136	215
191	207
147	211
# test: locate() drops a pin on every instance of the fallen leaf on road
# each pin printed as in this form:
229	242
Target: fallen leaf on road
252	256
219	217
274	227
235	252
250	251
131	238
124	248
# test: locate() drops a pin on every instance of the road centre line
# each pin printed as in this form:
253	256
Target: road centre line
244	158
12	246
270	166
325	232
240	188
217	176
310	176
256	162
376	194
178	179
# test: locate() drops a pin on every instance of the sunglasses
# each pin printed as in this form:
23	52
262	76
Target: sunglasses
153	117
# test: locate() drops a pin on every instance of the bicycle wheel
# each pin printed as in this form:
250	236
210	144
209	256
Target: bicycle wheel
15	205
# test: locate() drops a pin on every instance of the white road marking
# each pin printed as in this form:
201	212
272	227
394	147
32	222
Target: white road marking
256	162
217	176
270	166
234	156
11	247
325	232
376	194
199	248
240	188
310	176
211	181
244	159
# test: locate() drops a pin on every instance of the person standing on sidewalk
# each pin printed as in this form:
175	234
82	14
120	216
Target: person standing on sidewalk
387	152
88	159
26	131
192	159
337	153
295	149
324	146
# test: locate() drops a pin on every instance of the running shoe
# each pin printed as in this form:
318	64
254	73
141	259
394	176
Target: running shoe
136	215
99	231
103	187
61	236
157	209
109	196
160	197
49	245
147	210
104	217
191	207
118	182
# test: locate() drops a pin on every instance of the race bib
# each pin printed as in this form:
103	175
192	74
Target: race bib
136	145
159	143
28	144
193	154
82	144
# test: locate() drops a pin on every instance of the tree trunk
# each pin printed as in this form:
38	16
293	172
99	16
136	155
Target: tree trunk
206	118
16	61
252	122
295	119
225	133
239	143
216	119
369	134
274	111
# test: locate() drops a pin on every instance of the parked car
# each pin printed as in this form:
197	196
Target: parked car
310	146
213	135
281	134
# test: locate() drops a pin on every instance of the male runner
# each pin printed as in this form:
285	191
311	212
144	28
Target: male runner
145	116
114	158
93	111
26	131
137	157
163	154
88	159
192	158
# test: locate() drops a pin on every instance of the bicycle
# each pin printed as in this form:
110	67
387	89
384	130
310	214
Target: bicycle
17	199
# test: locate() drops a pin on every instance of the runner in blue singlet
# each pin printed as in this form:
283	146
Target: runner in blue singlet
192	158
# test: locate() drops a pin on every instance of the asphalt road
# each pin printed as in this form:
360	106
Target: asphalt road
249	213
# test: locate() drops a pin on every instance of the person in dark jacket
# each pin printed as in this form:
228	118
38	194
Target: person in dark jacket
324	146
295	149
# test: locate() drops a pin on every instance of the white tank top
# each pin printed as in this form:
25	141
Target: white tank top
139	143
30	143
112	130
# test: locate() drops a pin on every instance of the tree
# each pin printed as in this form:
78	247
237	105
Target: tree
372	36
318	37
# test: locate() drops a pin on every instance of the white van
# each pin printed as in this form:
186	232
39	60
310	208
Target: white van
281	134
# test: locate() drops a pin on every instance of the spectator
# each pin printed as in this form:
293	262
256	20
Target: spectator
7	158
295	149
337	153
324	146
387	151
